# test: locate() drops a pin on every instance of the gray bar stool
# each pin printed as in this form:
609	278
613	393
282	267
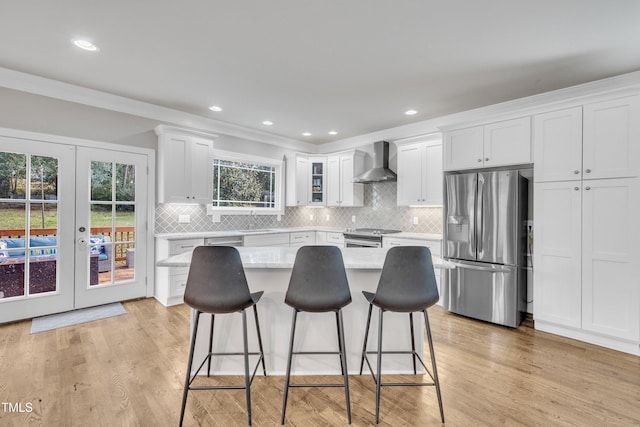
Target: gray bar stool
407	285
217	285
318	285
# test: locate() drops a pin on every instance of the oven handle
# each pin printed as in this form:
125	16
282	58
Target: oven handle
362	242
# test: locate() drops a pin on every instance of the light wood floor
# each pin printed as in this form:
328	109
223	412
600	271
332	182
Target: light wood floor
128	371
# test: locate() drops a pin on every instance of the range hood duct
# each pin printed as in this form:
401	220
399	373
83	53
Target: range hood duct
380	171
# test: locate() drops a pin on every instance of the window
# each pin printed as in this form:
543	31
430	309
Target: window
243	183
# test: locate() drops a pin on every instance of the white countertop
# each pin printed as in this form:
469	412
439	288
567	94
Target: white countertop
282	257
243	232
196	235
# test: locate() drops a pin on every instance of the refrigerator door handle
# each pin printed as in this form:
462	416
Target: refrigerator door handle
480	216
490	268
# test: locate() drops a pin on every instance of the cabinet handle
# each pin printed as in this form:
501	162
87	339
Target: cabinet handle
576	172
486	159
587	171
576	188
587	188
479	160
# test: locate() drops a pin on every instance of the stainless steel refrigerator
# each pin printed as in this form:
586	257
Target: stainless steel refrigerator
485	238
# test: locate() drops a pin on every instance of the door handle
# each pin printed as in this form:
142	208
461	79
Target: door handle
488	268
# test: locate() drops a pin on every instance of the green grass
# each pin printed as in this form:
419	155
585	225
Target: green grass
11	218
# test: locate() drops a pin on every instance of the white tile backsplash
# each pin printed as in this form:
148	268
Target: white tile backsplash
379	210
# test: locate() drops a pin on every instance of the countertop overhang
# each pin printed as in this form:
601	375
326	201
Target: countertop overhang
283	257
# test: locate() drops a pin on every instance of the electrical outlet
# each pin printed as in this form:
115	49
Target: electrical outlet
279	218
311	217
353	218
184	219
215	218
328	217
415	220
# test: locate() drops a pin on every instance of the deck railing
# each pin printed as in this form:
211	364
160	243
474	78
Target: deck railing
121	236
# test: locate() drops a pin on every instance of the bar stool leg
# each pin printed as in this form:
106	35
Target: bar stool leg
379	361
213	317
413	344
366	337
187	380
339	343
288	374
433	364
255	314
247	378
343	362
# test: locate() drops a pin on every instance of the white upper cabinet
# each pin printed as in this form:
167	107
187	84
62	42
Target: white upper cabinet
611	139
185	168
341	169
557	142
599	140
420	174
464	148
306	181
495	144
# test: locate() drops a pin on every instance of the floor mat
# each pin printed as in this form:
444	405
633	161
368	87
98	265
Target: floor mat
55	321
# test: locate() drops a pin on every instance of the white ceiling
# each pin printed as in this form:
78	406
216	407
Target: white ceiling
350	65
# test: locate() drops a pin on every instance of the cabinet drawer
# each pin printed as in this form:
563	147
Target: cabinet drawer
178	271
267	240
301	238
335	238
177	285
179	246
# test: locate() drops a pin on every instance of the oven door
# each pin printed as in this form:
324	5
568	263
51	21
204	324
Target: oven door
361	242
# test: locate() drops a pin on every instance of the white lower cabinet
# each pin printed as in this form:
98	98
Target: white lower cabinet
435	246
171	281
586	259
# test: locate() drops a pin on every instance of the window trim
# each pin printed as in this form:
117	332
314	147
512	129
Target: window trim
248	158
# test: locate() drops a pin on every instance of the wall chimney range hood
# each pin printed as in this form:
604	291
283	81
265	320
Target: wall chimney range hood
380	171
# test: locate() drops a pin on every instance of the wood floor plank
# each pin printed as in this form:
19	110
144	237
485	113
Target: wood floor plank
129	371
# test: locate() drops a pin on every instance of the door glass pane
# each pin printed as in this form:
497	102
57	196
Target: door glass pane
125	234
125	182
13	174
101	181
12	248
100	244
43	219
42	272
44	178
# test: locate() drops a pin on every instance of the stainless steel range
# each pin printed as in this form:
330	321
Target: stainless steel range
365	237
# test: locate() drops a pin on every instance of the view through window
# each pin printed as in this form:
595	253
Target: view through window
240	184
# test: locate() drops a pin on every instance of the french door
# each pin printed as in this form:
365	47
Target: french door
72	227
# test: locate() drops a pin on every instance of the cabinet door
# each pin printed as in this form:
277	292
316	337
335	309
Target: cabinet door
318	190
333	181
507	143
199	168
610	280
463	149
611	146
172	174
557	145
302	181
352	194
409	188
557	257
432	175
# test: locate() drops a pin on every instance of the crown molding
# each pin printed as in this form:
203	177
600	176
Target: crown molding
30	83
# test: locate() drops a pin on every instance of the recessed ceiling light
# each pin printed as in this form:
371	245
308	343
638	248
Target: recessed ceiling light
267	123
333	132
410	112
306	133
86	45
215	108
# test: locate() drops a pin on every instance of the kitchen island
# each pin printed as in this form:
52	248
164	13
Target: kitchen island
268	269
